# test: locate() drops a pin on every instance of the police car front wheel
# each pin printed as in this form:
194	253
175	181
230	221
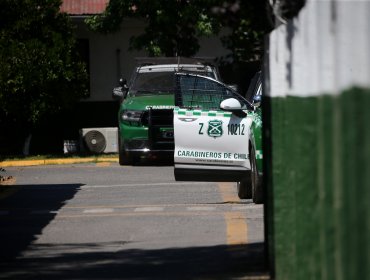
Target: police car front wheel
245	188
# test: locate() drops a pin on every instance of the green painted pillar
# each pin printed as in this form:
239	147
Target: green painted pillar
321	186
317	143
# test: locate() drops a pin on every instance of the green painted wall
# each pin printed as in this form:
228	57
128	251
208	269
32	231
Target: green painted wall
318	186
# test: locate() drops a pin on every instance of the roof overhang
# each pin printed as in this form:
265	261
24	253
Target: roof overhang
83	8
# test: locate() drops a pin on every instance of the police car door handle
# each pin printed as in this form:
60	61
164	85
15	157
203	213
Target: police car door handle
187	119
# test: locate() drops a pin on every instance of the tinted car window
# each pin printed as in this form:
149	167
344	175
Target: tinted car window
153	81
203	93
148	82
255	81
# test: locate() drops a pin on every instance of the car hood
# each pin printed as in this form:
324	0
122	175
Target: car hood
157	101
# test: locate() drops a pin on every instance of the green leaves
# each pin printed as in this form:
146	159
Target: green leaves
40	71
175	27
205	26
172	27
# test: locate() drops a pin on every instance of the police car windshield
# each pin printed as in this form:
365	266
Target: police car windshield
158	82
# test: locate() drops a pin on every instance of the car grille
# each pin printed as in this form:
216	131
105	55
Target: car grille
159	117
160	128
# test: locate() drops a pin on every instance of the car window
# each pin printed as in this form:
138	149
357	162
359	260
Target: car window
149	82
153	81
195	91
255	81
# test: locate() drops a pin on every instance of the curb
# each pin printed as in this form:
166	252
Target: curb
15	163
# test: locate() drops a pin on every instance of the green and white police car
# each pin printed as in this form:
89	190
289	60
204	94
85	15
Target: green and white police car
145	127
217	135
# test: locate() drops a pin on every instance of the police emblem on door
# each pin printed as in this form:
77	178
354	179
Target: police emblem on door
215	128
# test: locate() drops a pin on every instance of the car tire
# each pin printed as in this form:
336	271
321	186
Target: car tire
245	188
128	159
124	158
256	180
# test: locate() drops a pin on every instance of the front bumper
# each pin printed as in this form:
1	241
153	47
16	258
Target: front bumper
144	146
154	133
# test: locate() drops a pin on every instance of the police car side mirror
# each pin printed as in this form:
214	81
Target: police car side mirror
122	82
231	104
118	93
121	91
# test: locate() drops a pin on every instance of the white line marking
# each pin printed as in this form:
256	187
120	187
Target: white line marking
149	209
201	208
43	212
98	211
247	207
145	185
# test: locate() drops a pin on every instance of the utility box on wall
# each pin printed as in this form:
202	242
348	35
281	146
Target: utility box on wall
99	140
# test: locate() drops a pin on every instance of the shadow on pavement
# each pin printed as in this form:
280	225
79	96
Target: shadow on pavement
26	212
91	261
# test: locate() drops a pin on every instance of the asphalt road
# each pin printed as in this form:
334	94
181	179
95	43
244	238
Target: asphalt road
104	221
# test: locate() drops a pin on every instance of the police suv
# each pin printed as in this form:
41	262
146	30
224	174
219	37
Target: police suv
145	115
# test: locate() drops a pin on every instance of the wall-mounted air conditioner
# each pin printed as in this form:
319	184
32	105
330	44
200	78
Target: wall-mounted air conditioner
99	140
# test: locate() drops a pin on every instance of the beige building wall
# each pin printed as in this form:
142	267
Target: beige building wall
111	59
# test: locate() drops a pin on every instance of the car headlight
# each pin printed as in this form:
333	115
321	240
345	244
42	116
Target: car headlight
131	116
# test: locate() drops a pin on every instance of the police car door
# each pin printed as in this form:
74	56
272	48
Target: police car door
211	144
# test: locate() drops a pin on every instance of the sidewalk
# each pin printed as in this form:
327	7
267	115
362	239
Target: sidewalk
33	162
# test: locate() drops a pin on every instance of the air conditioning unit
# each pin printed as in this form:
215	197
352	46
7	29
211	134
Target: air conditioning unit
99	140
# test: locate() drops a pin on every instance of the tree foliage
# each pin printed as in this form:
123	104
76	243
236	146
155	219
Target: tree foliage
174	27
39	70
249	23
